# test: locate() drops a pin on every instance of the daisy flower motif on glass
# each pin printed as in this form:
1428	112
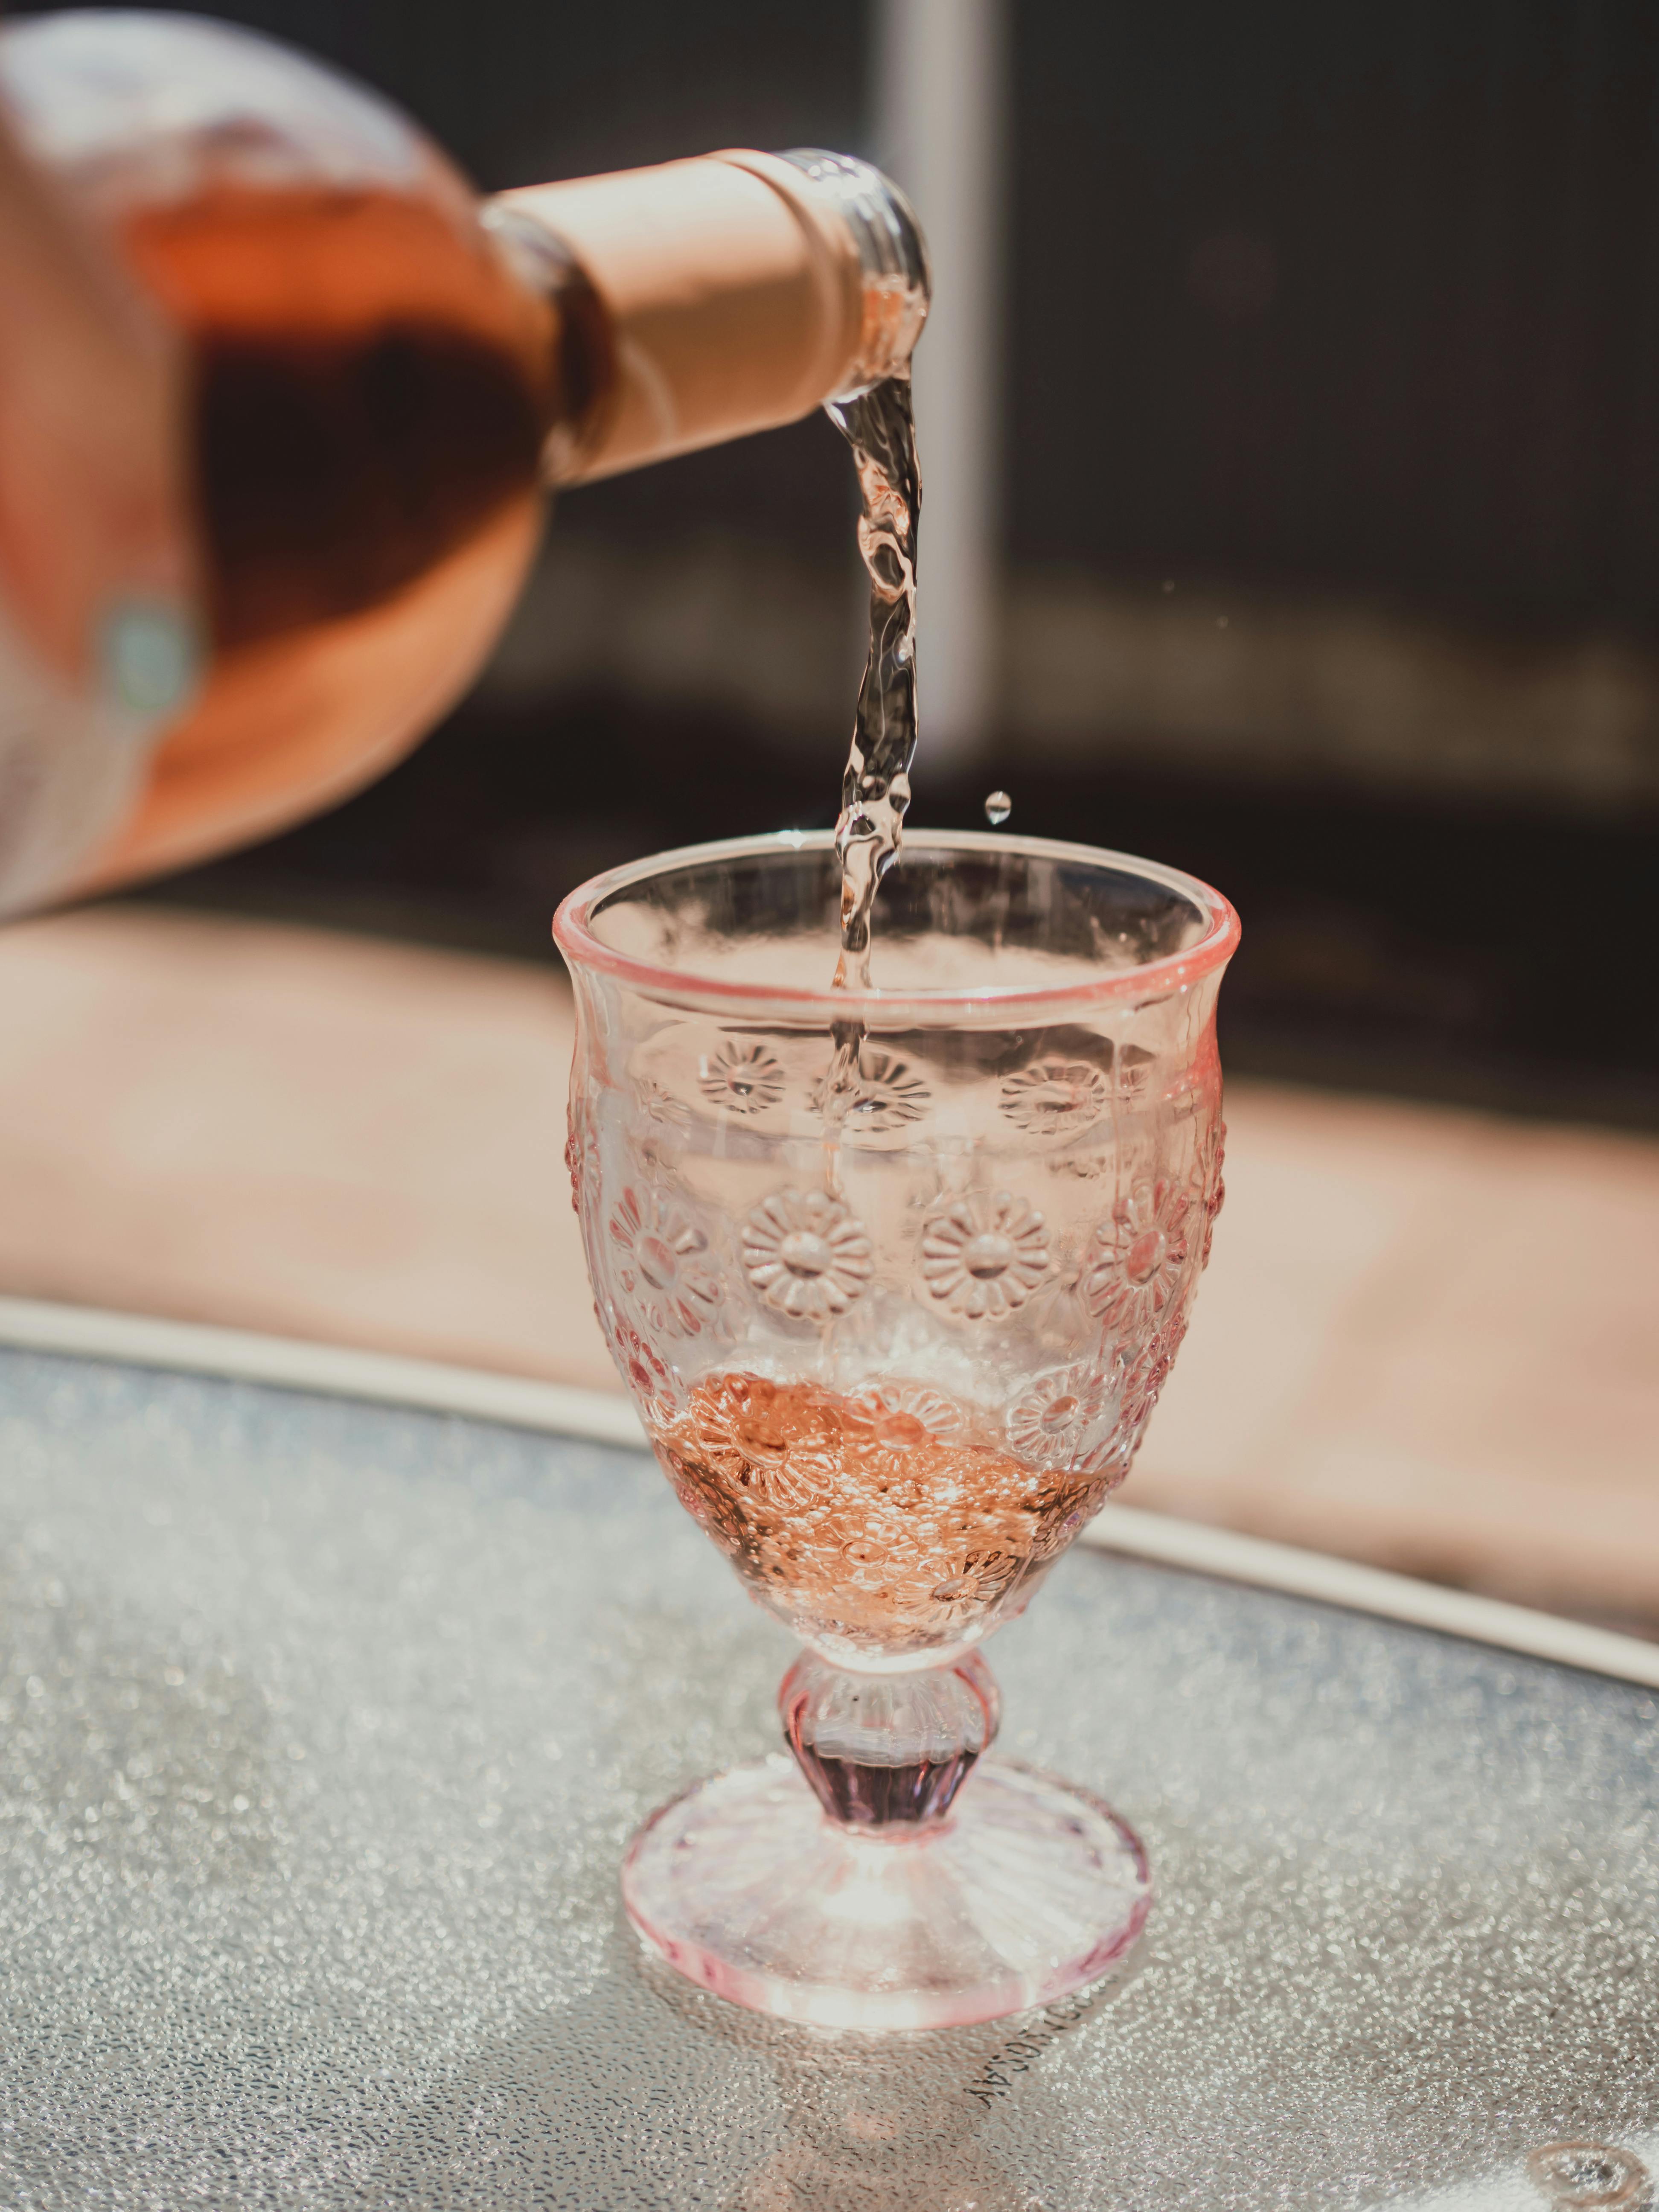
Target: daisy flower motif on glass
908	1413
1133	1073
664	1126
1054	1097
807	1254
1146	1371
661	1264
982	1256
741	1076
1212	1185
662	1106
890	1095
582	1153
642	1368
1137	1264
1065	1418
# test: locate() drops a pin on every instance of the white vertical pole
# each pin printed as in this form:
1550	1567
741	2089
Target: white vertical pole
941	73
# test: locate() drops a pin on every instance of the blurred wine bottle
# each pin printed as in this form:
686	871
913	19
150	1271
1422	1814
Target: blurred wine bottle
363	378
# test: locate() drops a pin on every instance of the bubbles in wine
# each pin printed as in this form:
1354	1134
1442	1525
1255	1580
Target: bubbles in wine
998	807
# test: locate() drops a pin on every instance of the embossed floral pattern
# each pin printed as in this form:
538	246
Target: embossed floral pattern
807	1254
659	1134
661	1263
1065	1416
662	1106
904	1412
1146	1369
582	1154
890	1096
1138	1262
1133	1070
982	1255
1054	1097
641	1367
741	1076
1213	1185
1082	1167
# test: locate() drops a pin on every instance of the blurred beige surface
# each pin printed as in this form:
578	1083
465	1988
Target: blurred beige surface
281	1129
1426	1338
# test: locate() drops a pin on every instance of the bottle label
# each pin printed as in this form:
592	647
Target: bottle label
72	767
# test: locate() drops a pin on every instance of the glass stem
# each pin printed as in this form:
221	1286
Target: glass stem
886	1753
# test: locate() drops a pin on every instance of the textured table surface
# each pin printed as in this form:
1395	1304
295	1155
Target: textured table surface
322	1728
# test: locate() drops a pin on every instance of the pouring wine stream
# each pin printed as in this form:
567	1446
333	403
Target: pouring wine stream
879	426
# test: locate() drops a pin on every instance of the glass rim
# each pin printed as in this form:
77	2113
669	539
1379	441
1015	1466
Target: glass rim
822	1005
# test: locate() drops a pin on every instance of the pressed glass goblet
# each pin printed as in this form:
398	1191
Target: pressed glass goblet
894	1340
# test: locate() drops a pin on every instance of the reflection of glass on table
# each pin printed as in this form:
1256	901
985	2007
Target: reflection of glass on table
892	1367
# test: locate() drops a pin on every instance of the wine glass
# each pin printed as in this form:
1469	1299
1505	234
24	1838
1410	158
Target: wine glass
894	1338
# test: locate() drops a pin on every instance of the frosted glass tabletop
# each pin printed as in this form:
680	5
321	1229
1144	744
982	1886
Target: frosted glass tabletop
322	1727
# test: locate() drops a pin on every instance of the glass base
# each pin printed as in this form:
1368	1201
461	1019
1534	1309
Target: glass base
1029	1889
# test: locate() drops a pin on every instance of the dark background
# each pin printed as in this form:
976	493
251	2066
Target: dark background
1317	304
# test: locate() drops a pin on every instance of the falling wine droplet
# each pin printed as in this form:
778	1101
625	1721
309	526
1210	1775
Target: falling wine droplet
998	807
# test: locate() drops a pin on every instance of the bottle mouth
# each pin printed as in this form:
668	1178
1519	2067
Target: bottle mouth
892	254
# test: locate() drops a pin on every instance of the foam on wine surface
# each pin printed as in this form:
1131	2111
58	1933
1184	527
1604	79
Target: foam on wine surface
882	1525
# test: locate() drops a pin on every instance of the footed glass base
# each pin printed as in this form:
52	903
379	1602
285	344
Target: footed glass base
1028	1889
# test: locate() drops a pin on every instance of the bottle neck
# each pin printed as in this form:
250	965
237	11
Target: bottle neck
576	350
701	300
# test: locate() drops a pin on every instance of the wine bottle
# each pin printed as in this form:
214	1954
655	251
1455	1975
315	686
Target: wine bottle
383	373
